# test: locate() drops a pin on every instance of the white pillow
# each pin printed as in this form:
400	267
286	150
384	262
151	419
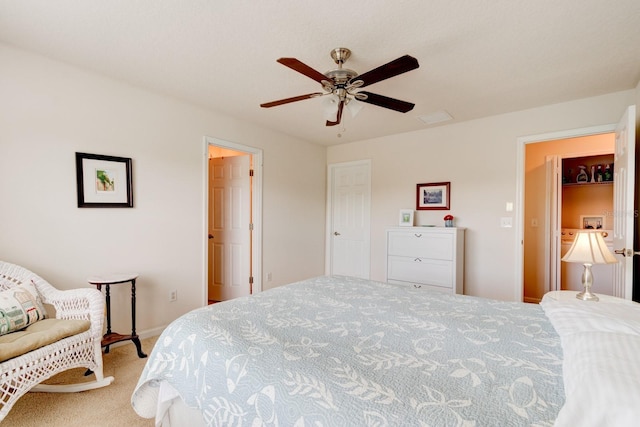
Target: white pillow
20	306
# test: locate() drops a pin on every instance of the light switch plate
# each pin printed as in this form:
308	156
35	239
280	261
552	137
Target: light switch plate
506	222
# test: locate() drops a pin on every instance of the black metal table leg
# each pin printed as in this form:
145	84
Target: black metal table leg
112	337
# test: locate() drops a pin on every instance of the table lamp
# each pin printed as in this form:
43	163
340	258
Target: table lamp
589	248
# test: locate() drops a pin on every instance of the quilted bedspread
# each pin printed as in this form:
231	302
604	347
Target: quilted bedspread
339	351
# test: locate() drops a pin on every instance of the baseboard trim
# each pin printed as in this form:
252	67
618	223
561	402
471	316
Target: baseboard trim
151	332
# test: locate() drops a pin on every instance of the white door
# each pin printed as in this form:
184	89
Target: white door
623	207
349	219
229	227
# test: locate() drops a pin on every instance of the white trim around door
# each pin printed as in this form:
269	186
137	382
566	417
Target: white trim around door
256	213
519	226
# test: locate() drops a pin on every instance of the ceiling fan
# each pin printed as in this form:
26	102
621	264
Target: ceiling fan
342	83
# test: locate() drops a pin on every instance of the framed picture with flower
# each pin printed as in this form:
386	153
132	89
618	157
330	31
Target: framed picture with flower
103	181
433	196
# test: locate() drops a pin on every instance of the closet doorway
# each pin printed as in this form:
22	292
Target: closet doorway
545	214
233	220
538	227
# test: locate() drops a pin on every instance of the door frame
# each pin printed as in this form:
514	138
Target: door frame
520	172
256	210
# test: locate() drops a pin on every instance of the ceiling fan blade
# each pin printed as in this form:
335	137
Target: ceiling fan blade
390	69
339	116
386	102
303	68
293	99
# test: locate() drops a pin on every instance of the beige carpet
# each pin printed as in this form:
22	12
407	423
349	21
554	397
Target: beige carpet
107	406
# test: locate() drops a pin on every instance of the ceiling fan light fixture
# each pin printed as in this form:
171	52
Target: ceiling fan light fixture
354	107
330	107
340	84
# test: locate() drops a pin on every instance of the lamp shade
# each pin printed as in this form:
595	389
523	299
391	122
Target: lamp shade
589	247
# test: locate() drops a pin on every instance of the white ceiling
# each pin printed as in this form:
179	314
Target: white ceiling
477	58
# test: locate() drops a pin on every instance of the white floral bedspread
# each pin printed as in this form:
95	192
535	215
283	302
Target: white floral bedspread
338	351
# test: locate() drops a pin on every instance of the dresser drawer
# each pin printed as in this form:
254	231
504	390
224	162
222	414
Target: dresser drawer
426	258
421	286
422	245
420	271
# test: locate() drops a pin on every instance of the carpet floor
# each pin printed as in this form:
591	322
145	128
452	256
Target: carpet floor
103	407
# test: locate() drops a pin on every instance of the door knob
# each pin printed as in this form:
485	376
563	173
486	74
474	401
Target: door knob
626	252
622	252
210	236
335	233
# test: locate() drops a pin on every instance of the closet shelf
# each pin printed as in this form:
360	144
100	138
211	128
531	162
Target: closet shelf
585	184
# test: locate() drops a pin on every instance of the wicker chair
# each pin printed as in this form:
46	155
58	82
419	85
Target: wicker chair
25	372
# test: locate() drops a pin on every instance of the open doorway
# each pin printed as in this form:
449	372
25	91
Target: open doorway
556	204
624	214
586	194
233	220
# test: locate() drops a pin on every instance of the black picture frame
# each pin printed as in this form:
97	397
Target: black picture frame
104	181
433	196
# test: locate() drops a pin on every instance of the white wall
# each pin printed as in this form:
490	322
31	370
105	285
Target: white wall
479	159
49	111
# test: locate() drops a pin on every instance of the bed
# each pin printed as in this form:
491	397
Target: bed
342	351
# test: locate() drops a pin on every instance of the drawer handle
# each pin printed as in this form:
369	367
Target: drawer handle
418	259
418	235
417	286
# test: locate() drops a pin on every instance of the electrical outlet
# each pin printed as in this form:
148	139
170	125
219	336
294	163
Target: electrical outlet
173	295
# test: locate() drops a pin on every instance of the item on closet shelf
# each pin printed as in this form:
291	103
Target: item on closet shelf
582	175
568	177
448	220
608	173
593	173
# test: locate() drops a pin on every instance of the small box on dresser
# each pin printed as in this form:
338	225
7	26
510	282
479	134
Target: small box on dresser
426	257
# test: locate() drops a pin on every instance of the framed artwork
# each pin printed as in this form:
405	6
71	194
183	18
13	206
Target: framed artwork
103	181
406	217
592	221
433	196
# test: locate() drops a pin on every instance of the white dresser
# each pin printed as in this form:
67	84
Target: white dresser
426	257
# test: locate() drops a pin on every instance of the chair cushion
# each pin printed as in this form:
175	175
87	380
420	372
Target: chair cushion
20	306
38	335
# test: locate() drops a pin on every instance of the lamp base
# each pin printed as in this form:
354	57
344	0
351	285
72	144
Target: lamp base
587	296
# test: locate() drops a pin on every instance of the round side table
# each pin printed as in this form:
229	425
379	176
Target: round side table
113	337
